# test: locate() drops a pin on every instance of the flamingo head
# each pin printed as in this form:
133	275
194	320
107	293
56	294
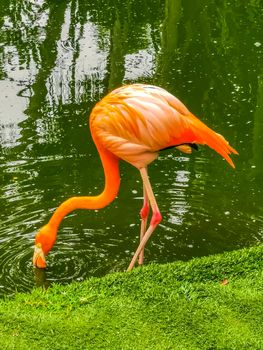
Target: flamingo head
44	241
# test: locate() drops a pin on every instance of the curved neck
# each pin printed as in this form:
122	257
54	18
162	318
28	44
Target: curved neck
110	165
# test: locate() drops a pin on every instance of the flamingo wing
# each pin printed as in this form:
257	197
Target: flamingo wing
135	121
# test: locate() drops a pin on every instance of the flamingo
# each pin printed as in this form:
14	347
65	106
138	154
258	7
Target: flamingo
133	123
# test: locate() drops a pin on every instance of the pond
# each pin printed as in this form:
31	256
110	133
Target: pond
57	60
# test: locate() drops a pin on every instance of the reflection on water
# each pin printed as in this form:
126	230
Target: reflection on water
56	61
11	114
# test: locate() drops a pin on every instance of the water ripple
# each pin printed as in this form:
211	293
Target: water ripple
199	219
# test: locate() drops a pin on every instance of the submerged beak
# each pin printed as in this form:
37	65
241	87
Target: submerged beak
39	259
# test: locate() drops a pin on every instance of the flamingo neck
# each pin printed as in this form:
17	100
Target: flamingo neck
110	165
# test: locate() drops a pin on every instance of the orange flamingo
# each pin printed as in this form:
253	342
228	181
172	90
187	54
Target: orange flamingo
134	123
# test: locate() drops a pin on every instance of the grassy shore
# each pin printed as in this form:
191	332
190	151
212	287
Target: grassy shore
208	303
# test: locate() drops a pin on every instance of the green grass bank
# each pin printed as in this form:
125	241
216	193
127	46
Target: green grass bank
182	305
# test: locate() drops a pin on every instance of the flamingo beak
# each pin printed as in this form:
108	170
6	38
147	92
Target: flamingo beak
39	259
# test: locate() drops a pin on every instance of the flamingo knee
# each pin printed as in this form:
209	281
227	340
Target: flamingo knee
144	212
156	218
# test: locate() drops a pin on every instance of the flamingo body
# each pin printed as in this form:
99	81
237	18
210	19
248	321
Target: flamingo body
134	123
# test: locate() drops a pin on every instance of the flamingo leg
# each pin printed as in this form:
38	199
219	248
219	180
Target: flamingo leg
144	217
155	220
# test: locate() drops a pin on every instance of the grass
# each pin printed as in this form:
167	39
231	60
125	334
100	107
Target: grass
183	305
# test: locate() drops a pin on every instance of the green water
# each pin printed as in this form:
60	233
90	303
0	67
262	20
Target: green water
57	59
